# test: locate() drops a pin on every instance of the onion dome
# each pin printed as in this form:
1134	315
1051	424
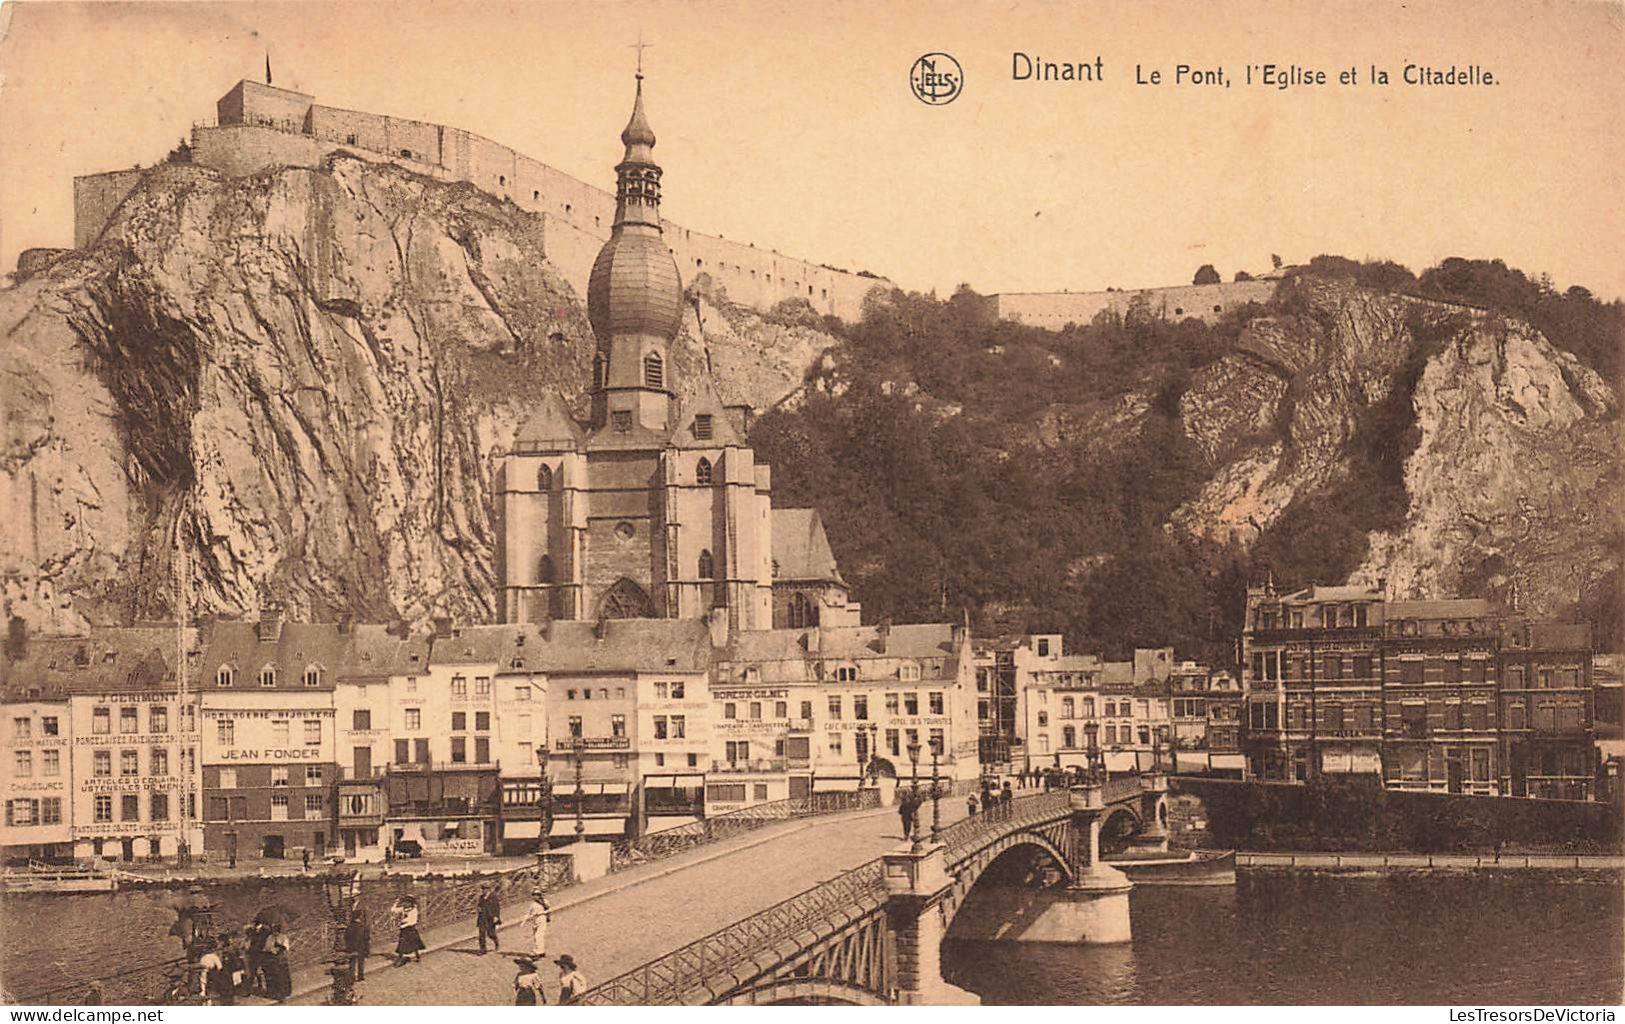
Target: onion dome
634	288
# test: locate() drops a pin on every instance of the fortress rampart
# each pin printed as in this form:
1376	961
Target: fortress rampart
258	127
1205	302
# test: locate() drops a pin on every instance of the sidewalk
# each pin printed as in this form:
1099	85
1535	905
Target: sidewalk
1412	861
615	923
258	869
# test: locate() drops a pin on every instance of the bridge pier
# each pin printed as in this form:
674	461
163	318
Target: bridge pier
1153	834
917	881
1093	908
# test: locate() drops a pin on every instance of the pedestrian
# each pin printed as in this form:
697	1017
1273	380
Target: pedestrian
537	918
408	943
389	856
1499	842
278	973
257	931
487	916
211	972
527	984
304	857
1006	800
571	984
358	943
231	956
906	813
970	805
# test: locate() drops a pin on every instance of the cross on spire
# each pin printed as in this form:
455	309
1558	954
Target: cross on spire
640	46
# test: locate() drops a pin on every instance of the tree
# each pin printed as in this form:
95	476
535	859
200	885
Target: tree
1205	274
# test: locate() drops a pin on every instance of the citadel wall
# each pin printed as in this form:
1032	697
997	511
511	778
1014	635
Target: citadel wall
1205	302
260	127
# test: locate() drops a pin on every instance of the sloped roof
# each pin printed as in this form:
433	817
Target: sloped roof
1343	593
374	652
841	643
108	660
297	646
705	402
645	645
801	548
549	425
1449	608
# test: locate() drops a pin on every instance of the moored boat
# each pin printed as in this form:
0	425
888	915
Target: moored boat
1177	867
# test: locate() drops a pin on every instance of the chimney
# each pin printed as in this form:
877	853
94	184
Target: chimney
1382	587
883	634
269	629
442	627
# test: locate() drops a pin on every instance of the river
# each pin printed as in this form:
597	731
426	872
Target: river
1283	938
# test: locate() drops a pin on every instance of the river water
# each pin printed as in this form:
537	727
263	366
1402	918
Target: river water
1292	938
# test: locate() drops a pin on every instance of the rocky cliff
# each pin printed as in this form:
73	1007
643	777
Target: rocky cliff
300	377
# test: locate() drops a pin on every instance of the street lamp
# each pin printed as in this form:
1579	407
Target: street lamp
936	796
914	794
544	797
581	825
340	889
1091	732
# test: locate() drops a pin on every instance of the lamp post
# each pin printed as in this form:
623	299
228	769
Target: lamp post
914	795
581	825
936	795
340	889
544	796
1091	732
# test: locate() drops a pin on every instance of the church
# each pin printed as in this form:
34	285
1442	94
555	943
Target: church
652	508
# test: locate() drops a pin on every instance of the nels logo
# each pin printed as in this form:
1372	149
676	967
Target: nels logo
936	78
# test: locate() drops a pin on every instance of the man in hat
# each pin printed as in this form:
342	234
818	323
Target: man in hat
572	986
487	917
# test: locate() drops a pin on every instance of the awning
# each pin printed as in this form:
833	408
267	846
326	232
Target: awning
658	782
835	785
1229	761
594	827
451	824
611	788
521	830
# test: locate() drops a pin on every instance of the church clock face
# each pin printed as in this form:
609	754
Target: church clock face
624	532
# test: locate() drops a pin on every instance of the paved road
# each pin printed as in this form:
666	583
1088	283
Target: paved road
616	923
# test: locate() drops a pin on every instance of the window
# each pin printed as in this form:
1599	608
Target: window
158	807
654	375
679	727
414	719
1410	671
158	761
313	732
860	707
1334	717
482	686
521	692
280	732
891	703
459	749
1043	743
660	727
129	762
361	720
157	719
1043	719
1478	715
313	805
544	478
834	743
101	721
575	727
1452	672
755	711
846	674
129	721
937	741
48	725
702	427
228	778
225	676
1088	710
1066	708
459	687
482	721
279	775
835	708
802	613
702	471
911	703
1334	666
1514	677
936	702
806	710
104	807
22	728
1415	720
268	676
737	750
51	811
730	710
617	725
313	775
279	807
708	568
51	762
130	807
313	676
727	792
892	740
25	763
908	672
459	721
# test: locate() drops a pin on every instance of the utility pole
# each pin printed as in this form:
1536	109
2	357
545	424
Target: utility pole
183	689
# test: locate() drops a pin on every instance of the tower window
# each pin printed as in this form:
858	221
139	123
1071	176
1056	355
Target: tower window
622	422
803	614
598	370
702	471
654	372
544	478
708	566
702	427
544	570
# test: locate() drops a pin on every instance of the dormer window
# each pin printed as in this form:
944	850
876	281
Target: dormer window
846	674
654	371
225	676
268	676
313	676
702	471
702	427
909	672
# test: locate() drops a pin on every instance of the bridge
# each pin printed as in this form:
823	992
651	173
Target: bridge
872	935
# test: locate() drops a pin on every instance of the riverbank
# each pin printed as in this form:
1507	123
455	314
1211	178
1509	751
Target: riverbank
162	877
1333	862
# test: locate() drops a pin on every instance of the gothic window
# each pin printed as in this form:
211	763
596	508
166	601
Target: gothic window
702	427
702	471
708	568
654	372
544	478
626	600
803	614
544	570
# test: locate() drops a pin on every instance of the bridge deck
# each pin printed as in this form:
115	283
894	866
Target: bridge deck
617	923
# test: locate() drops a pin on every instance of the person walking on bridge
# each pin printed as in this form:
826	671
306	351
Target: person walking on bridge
487	917
905	811
970	805
572	986
537	918
1005	799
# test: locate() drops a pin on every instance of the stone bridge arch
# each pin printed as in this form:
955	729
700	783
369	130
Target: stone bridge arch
807	992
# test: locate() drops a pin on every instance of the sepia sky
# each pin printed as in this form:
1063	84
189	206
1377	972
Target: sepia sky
791	125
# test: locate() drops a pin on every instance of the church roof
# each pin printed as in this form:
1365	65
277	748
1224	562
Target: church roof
549	425
800	548
634	288
705	402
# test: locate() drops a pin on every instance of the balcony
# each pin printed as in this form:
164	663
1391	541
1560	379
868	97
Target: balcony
759	765
420	767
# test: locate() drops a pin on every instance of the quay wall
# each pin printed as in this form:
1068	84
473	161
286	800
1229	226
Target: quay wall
255	133
1205	302
1347	816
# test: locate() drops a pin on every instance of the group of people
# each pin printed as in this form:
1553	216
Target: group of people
256	965
993	800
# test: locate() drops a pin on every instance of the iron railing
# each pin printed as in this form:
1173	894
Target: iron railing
632	852
671	978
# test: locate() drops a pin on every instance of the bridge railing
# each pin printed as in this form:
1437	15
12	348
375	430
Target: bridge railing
631	852
671	978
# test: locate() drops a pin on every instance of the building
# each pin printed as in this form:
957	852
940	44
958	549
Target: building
1079	704
269	737
1608	681
652	508
36	784
1311	664
1440	721
377	661
807	711
1548	740
1004	665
